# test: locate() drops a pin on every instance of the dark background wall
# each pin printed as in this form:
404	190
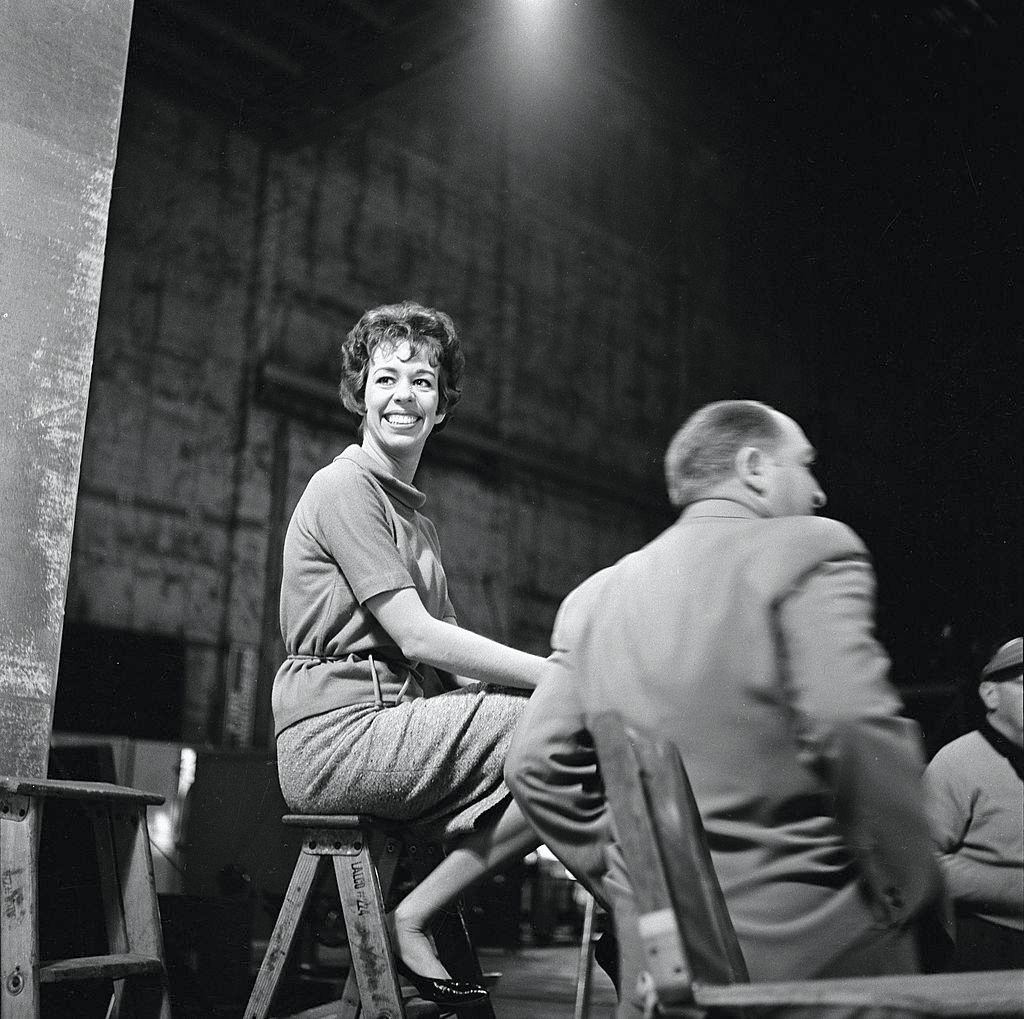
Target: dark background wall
627	214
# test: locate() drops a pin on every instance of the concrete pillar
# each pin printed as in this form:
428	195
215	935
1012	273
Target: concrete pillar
62	65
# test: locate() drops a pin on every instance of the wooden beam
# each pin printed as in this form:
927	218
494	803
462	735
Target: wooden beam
62	69
468	445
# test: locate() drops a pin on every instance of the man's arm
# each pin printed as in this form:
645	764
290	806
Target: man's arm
849	728
980	886
551	769
834	666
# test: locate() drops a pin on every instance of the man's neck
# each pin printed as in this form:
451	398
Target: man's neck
733	490
719	506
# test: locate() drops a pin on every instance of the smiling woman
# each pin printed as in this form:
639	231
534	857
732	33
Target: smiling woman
402	406
400	334
372	711
401	398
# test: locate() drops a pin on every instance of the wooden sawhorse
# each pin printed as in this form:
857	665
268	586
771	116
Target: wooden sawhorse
365	852
135	956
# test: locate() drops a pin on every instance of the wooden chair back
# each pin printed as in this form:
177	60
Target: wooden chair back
685	927
693	956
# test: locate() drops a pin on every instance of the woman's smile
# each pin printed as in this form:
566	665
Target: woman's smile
400	419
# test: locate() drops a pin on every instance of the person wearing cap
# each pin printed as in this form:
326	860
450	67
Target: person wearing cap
976	806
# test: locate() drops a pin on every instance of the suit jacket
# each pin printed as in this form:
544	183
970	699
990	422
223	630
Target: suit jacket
748	642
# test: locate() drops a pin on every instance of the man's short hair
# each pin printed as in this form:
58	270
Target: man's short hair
703	452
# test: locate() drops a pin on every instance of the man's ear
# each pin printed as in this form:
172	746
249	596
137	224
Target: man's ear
751	463
988	694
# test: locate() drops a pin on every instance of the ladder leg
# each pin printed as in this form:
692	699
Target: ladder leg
110	888
385	851
369	944
351	1008
141	911
20	820
272	967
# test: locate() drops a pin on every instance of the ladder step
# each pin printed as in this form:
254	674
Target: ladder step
92	967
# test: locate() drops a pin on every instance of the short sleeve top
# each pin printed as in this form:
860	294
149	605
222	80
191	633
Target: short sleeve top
356	532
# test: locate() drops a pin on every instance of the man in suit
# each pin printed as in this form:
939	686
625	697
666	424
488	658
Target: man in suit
743	634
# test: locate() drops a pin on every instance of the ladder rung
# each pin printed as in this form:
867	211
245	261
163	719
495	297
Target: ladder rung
91	967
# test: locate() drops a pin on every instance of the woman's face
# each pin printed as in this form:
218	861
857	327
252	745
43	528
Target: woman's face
401	399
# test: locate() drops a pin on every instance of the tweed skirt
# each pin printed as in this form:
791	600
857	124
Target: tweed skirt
435	764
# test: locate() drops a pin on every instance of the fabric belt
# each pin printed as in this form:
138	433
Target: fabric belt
412	676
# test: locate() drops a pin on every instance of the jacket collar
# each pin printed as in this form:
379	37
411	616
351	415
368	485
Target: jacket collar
719	508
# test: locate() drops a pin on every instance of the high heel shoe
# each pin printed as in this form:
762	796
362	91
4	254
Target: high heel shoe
606	955
442	992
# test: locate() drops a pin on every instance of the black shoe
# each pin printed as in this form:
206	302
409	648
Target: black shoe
442	992
606	955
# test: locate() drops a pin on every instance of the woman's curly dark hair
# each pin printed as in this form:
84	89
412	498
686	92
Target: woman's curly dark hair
430	333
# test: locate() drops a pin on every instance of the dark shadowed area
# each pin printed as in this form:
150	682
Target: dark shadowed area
629	210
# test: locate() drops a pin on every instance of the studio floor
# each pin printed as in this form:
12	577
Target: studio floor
540	983
534	983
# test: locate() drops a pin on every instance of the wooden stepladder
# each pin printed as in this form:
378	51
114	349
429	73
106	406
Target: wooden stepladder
365	853
135	958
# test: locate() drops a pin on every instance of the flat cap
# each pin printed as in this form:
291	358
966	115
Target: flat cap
1007	659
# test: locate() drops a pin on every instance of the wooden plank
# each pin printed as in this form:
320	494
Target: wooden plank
940	994
664	951
19	914
350	1007
130	836
62	69
701	912
343	822
386	850
369	945
96	792
95	967
110	888
288	919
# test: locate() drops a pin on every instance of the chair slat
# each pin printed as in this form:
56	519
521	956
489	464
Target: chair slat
714	950
664	952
